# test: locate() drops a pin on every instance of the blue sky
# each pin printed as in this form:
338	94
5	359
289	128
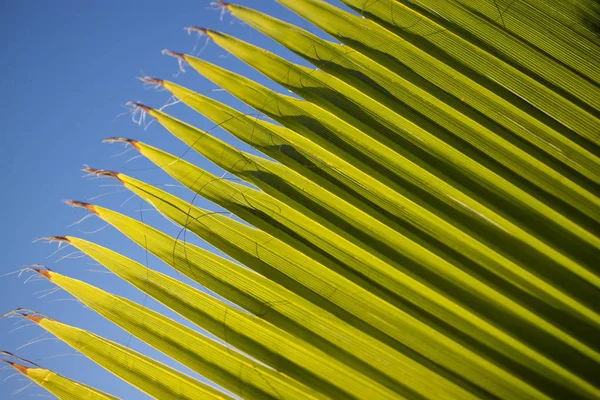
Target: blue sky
67	69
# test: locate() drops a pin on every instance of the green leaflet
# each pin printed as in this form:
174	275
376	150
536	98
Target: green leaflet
344	178
396	54
262	209
356	148
150	376
574	288
303	156
535	22
289	355
216	362
227	117
486	138
512	50
344	294
63	388
564	27
552	109
561	21
284	309
429	229
401	137
566	21
276	68
276	179
461	19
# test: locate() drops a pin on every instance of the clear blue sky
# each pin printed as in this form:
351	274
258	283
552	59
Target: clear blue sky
68	67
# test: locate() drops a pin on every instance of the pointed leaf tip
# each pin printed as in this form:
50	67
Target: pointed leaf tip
132	142
33	318
198	29
16	357
57	239
44	272
152	80
75	203
19	367
102	172
172	53
137	104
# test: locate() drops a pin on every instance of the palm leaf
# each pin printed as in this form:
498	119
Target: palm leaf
424	226
217	362
63	388
273	303
263	341
150	376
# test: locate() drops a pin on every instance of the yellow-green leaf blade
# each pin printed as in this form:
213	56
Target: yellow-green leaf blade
281	307
228	368
532	22
190	216
367	37
253	168
357	149
290	355
148	375
63	388
396	142
408	98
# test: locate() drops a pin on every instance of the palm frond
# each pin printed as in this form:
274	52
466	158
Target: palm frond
423	221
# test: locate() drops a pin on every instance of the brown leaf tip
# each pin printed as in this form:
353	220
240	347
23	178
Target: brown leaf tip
14	356
172	53
19	367
75	203
58	239
197	29
222	4
33	318
151	80
133	143
44	272
101	172
137	104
